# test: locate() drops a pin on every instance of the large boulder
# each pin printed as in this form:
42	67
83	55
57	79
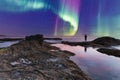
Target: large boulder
37	37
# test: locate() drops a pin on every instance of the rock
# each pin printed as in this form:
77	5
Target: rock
106	41
114	52
76	43
52	39
10	39
34	37
38	37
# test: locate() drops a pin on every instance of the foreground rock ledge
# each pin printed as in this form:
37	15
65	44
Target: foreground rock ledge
29	60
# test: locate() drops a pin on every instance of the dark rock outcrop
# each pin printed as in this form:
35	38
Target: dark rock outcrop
11	39
52	39
113	52
106	41
37	37
76	43
34	37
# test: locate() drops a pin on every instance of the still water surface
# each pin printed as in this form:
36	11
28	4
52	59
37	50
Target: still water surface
97	65
7	43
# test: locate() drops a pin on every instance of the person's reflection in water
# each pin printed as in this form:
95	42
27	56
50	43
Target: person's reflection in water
85	48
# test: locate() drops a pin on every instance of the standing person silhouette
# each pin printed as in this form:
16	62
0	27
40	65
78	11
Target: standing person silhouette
85	36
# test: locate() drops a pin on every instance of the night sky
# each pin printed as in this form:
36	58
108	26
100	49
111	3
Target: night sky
60	17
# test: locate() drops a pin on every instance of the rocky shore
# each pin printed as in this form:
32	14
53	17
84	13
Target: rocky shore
33	59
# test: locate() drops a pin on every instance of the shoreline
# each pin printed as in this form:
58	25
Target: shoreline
29	59
41	61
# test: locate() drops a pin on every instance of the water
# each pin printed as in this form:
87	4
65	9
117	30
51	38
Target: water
53	41
97	65
7	43
116	47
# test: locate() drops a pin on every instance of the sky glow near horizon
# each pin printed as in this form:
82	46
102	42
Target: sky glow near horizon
69	18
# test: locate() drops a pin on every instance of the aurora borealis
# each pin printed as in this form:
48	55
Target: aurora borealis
60	17
68	11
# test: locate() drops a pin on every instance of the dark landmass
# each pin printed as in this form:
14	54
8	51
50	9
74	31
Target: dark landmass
77	43
31	59
40	36
11	39
52	39
106	41
29	38
114	52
